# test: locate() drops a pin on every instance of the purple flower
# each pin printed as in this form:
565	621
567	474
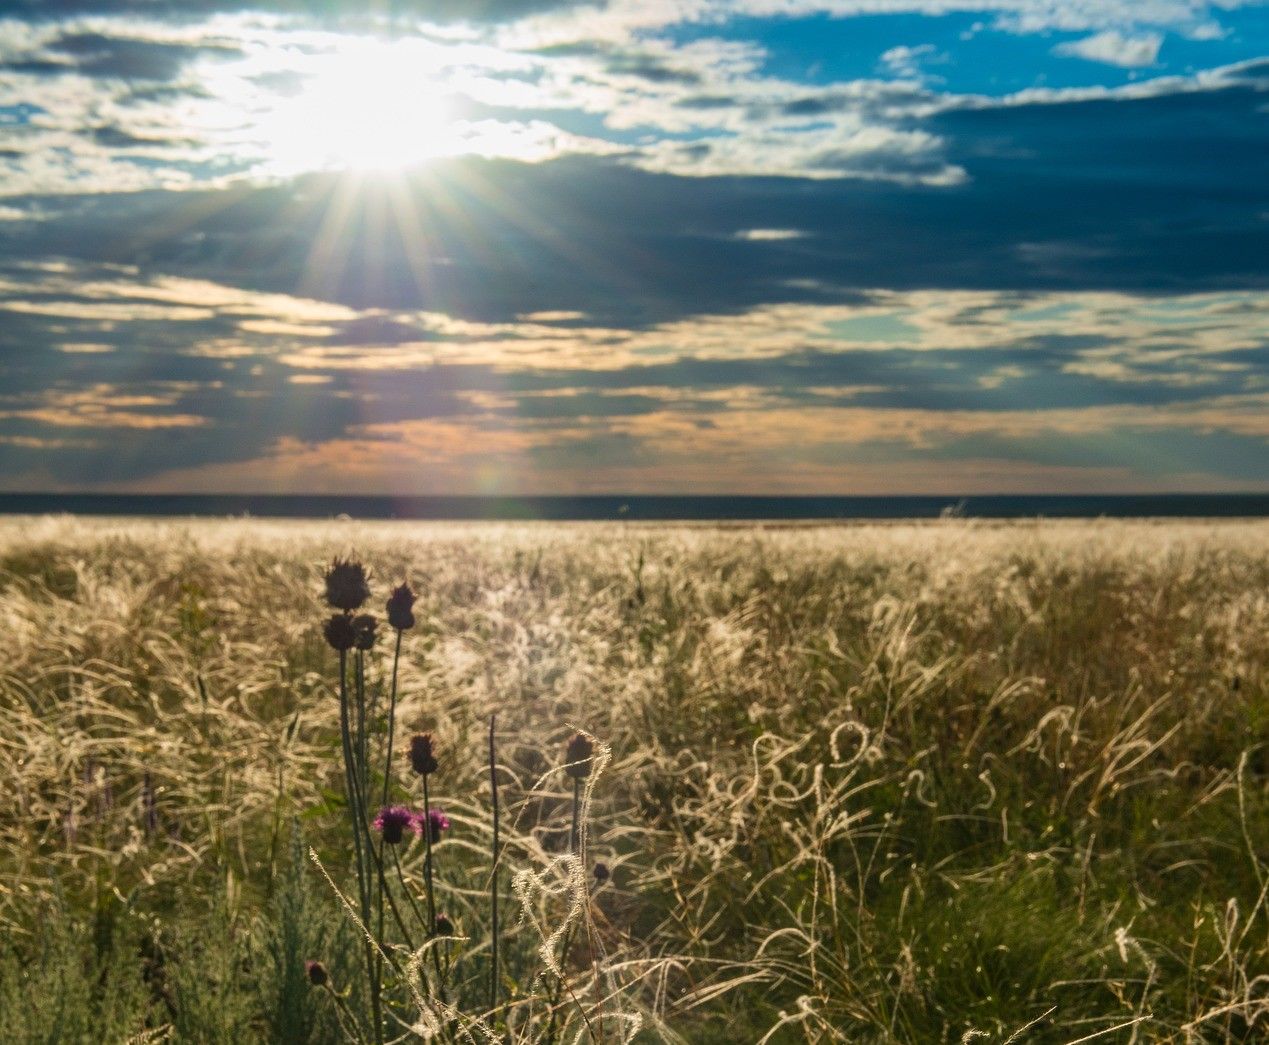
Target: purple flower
316	973
393	820
437	822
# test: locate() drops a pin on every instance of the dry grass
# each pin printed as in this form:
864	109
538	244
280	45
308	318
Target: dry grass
909	783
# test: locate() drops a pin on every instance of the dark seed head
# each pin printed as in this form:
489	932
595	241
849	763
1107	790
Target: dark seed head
364	627
444	927
316	973
401	608
602	873
346	585
340	632
422	755
578	755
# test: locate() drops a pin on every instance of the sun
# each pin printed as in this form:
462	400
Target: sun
368	105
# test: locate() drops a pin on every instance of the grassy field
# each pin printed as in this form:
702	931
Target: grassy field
887	783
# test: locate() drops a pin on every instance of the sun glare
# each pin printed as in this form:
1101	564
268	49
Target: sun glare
370	106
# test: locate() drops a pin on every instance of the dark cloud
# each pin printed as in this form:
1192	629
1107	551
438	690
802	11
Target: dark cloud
1091	195
118	57
626	61
326	10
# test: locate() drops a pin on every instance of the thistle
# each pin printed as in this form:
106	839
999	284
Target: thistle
340	633
391	822
400	608
364	629
602	872
316	973
577	757
347	588
422	754
437	822
444	927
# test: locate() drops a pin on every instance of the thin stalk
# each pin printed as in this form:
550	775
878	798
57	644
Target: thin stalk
406	890
387	778
431	932
427	860
392	904
493	883
574	833
346	1019
427	877
392	720
374	896
356	813
363	750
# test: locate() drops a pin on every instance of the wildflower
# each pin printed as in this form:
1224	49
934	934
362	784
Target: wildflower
401	608
316	973
340	632
346	586
602	873
444	927
437	822
577	758
392	822
364	628
422	757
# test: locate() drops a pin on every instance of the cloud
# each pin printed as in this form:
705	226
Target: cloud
554	401
1113	48
647	254
333	11
1128	204
906	62
120	57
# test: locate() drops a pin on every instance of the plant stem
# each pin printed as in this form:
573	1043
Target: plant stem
357	816
427	860
493	884
392	720
440	981
387	780
427	877
574	835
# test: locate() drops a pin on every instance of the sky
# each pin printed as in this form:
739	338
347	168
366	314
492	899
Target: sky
641	246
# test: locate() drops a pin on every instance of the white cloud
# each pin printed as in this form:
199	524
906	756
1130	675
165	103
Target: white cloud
1114	48
769	234
906	61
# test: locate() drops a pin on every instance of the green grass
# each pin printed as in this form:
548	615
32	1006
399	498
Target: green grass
887	783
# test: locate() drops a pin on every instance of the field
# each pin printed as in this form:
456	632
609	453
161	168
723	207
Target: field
887	783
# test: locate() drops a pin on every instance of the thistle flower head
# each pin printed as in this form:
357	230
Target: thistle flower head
578	756
602	873
437	822
316	973
401	608
346	585
444	927
340	633
422	754
392	821
364	628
